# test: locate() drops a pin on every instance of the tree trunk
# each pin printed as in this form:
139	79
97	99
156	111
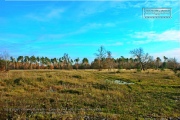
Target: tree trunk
142	66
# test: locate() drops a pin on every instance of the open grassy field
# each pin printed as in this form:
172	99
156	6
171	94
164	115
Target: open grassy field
89	95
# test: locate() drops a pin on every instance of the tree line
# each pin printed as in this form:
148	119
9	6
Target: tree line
103	60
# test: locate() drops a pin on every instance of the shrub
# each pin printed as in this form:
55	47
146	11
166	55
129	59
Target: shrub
102	86
17	81
40	79
51	100
168	77
99	86
71	91
138	70
178	75
61	82
77	76
162	69
65	83
49	75
2	65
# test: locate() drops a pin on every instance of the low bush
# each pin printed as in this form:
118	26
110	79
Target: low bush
178	75
71	91
17	81
77	76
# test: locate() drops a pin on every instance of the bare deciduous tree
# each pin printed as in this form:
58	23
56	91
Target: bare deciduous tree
4	58
142	58
76	63
100	55
109	60
172	64
67	61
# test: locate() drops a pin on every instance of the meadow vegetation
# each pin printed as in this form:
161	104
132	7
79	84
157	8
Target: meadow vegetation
88	94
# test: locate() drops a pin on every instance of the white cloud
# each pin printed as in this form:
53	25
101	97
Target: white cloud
145	37
138	42
173	35
169	53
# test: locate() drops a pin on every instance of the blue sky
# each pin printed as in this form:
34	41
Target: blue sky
79	28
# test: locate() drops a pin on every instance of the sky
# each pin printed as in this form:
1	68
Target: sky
77	27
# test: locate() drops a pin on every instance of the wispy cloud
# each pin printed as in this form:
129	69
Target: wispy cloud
138	42
49	37
146	37
84	8
110	25
92	44
91	8
81	30
90	26
98	25
153	3
46	15
14	39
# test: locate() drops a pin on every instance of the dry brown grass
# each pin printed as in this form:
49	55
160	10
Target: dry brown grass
55	94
